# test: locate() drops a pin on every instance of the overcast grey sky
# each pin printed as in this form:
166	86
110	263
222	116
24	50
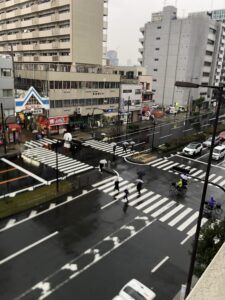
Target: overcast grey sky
127	16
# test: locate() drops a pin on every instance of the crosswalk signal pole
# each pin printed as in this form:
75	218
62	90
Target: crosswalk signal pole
57	167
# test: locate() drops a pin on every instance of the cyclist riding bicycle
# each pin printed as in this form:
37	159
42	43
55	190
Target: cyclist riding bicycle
211	203
184	179
179	184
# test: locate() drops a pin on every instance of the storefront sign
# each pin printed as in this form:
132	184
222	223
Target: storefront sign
58	121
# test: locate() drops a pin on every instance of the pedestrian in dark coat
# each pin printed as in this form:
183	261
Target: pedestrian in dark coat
139	187
114	149
125	148
101	167
116	185
126	193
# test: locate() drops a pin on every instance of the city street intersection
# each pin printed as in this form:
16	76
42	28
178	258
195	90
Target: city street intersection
88	246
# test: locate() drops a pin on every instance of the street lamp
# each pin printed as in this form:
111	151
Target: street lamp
198	228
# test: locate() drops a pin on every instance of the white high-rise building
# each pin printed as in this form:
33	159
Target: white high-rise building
179	50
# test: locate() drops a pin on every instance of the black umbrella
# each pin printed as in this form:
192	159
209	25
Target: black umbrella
140	174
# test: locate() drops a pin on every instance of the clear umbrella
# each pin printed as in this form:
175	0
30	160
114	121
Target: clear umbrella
139	180
113	144
103	161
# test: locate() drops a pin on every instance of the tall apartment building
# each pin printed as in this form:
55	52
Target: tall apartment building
179	50
59	48
7	86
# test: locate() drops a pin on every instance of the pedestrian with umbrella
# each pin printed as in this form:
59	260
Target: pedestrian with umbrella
102	164
140	174
114	148
139	186
132	143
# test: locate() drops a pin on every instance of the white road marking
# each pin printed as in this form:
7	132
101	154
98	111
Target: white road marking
160	162
163	209
166	164
222	183
159	264
170	167
196	173
217	179
152	199
185	240
171	213
180	217
10	223
192	231
160	202
202	162
154	161
27	248
202	156
162	137
211	176
32	214
188	221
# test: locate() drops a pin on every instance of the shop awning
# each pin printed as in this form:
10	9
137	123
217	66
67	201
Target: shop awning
14	127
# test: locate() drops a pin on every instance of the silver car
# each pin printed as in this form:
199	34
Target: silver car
208	142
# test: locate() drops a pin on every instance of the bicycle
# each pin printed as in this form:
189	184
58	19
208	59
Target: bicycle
174	189
214	213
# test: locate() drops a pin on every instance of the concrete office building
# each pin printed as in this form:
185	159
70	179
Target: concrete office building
179	49
7	86
59	48
135	90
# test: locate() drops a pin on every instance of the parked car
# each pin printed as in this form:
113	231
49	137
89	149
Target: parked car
181	109
222	136
192	149
134	289
208	142
218	152
171	110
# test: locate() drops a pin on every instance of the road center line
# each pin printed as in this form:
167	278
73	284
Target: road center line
159	264
27	248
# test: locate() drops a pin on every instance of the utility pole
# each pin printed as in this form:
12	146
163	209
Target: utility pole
3	129
57	167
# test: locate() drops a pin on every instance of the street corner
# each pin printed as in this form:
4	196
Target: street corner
143	158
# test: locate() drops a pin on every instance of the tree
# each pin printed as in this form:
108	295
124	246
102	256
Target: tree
212	237
198	103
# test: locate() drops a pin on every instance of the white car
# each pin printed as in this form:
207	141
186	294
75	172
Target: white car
208	142
135	290
218	152
192	149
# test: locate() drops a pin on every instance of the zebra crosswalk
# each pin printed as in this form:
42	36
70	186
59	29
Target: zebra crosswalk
106	147
47	157
167	165
176	215
40	143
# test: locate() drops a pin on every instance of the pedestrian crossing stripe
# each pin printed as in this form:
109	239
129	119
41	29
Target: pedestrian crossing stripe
65	164
167	165
103	146
168	211
40	143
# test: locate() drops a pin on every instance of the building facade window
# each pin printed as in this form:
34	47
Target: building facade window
7	93
207	52
158	38
127	91
6	72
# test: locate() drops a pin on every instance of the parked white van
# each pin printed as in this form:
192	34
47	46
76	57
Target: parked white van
218	152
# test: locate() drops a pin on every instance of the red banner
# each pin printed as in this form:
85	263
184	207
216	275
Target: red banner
58	121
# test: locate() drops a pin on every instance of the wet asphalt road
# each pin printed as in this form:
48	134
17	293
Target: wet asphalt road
57	249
